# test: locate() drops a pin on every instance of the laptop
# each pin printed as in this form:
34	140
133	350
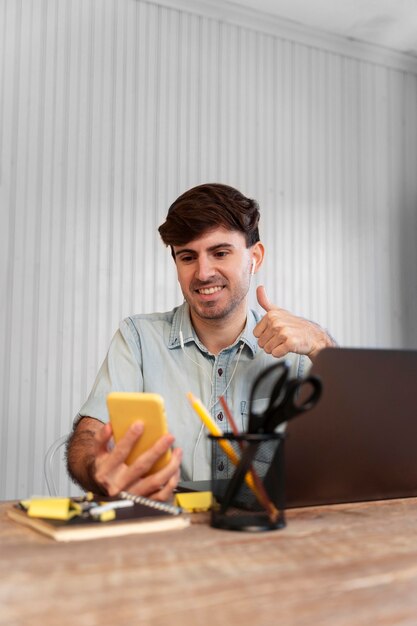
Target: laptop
360	441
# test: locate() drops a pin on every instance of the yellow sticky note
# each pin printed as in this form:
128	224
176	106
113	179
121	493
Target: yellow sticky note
195	501
50	508
108	516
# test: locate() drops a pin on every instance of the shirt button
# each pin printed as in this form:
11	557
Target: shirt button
220	466
220	371
220	416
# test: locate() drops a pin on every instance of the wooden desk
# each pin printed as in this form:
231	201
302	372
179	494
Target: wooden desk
351	564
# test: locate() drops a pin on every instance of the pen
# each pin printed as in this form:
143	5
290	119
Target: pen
226	446
110	506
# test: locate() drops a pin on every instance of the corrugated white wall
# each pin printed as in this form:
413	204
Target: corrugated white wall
110	109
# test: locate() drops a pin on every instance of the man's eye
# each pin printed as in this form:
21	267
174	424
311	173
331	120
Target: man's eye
186	259
222	253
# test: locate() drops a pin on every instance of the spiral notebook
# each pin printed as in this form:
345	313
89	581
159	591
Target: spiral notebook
144	516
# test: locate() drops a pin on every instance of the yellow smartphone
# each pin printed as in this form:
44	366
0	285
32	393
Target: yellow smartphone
126	408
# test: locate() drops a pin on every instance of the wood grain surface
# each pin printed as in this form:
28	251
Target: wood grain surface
350	564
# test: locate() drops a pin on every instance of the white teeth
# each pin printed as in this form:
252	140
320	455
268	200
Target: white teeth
207	292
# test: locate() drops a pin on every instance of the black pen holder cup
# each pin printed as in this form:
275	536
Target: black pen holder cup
253	498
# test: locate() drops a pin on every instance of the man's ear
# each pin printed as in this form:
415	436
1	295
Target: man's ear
257	254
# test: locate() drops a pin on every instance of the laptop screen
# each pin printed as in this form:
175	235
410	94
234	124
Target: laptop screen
360	441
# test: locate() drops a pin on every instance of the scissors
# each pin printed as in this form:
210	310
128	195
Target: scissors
286	398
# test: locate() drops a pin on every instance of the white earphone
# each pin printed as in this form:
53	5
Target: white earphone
210	378
253	267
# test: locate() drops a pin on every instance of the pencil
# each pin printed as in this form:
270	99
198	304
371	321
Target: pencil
205	417
263	496
226	446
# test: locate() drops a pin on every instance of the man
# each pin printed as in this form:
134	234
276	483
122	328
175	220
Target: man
211	345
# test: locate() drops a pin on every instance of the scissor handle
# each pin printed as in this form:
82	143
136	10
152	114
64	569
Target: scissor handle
294	388
281	365
289	407
256	420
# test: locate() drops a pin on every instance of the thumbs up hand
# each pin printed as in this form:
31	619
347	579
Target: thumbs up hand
280	332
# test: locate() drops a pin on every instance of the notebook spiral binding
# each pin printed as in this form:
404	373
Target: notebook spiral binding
154	504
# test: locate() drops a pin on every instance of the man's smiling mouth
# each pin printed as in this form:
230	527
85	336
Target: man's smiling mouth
207	291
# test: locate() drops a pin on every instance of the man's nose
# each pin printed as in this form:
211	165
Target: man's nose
204	270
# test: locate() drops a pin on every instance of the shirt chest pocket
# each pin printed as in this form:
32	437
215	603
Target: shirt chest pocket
267	449
258	407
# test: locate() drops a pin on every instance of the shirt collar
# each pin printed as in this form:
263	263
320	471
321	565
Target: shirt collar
182	323
247	335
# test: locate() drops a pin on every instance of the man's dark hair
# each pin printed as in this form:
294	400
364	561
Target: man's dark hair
206	207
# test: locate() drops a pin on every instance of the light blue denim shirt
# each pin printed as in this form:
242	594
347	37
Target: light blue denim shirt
146	355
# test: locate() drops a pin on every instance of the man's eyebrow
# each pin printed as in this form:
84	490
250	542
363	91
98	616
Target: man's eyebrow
210	249
226	244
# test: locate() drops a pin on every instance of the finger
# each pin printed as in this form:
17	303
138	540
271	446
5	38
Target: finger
268	333
127	475
102	438
166	491
263	299
269	326
276	347
145	461
154	483
260	327
162	476
124	446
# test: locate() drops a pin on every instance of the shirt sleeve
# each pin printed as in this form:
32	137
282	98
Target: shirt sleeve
120	371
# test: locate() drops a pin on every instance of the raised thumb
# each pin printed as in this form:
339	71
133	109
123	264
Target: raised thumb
263	299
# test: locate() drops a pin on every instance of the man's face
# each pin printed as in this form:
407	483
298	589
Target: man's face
214	273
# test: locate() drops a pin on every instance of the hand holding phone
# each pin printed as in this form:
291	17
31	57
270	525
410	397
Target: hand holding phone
126	408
